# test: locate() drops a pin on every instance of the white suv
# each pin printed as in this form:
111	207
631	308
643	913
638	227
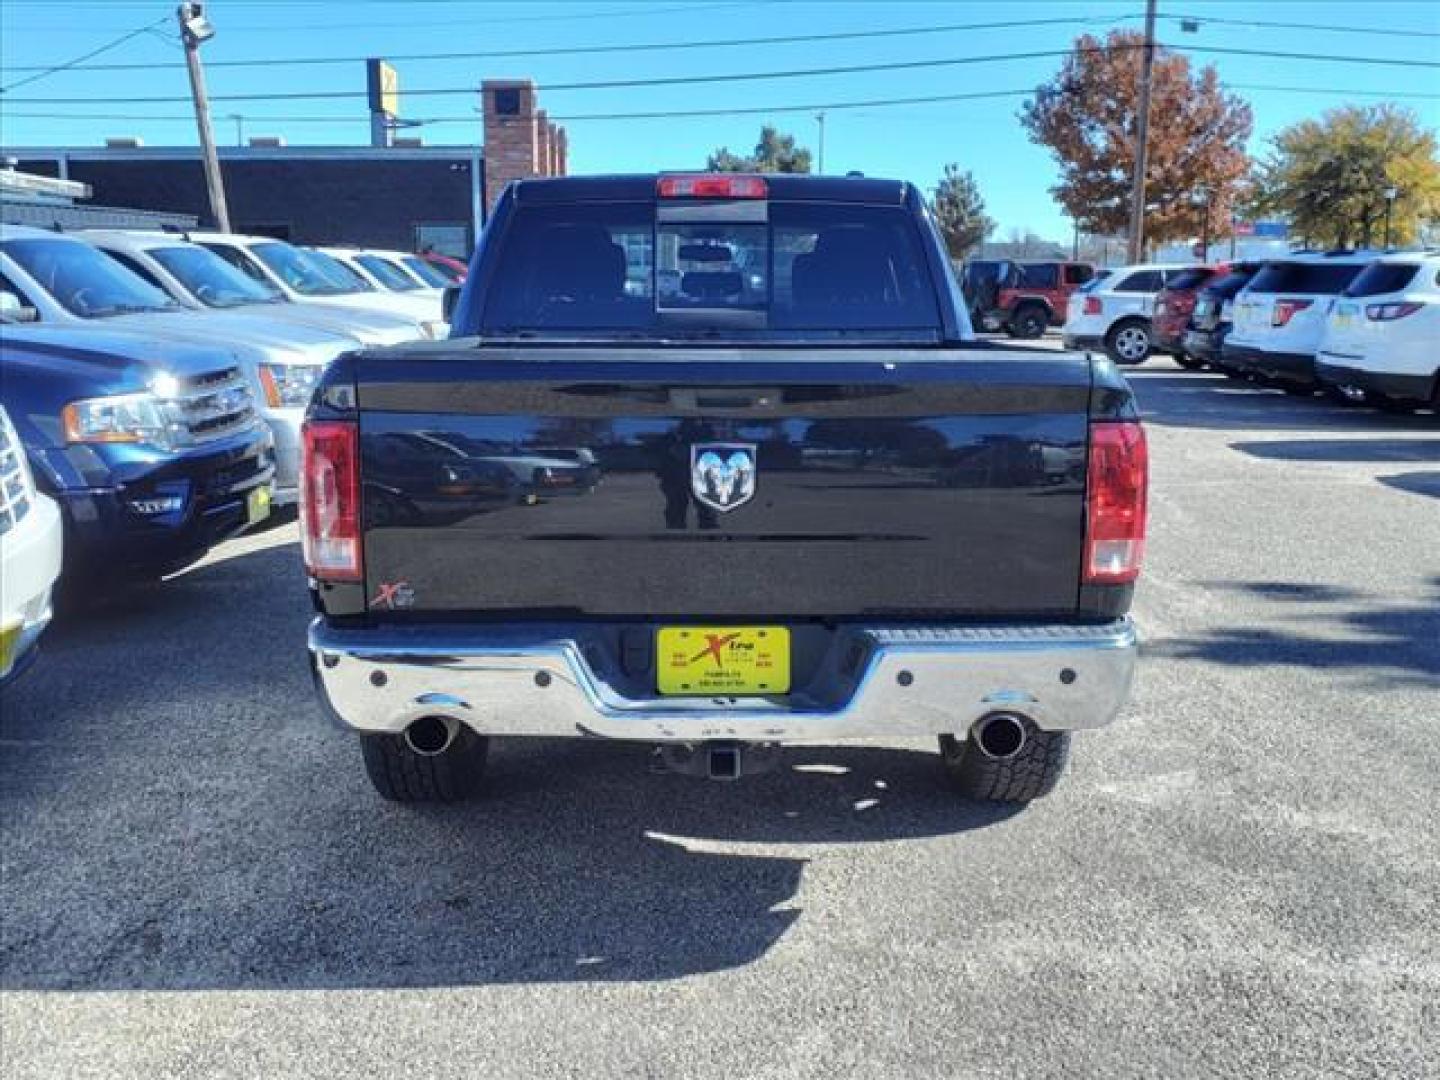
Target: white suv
1114	312
30	539
1278	318
1382	339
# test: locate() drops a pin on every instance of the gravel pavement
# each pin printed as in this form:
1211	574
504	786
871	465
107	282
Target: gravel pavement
1241	877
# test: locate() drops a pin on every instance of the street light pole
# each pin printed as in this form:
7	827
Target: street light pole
1142	140
820	119
1391	194
239	128
194	29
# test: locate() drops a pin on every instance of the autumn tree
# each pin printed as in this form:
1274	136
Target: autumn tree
1330	177
960	213
774	152
1088	117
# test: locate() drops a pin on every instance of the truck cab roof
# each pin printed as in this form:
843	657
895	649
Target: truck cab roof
787	187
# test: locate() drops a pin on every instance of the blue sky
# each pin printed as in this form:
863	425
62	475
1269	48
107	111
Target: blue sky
911	141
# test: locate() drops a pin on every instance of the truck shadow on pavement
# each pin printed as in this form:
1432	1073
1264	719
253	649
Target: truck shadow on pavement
1394	644
177	815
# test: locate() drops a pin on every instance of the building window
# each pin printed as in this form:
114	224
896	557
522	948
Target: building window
507	101
444	238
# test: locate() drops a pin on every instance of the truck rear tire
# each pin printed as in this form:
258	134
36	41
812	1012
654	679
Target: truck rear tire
402	774
1032	772
1029	322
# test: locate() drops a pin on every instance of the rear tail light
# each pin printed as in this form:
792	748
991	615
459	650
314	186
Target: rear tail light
1390	312
1285	310
330	500
1115	502
713	186
1092	305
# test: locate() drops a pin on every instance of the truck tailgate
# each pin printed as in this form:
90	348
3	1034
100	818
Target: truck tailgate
527	482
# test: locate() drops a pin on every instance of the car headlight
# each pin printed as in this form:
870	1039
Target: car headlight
289	385
124	418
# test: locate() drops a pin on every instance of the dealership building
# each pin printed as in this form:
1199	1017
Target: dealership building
397	194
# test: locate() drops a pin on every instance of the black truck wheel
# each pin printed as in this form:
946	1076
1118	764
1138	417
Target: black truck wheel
1024	762
1029	322
435	761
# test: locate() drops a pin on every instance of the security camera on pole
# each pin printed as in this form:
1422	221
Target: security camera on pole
195	29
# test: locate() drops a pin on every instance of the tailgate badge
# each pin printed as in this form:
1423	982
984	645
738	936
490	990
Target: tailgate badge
722	475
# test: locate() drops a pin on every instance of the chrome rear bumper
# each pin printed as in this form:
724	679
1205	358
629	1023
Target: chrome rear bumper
900	681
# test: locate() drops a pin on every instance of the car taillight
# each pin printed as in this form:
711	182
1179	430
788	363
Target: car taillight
1115	502
712	186
1092	305
1285	310
1390	312
330	500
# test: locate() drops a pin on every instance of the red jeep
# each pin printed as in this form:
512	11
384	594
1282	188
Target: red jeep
1022	298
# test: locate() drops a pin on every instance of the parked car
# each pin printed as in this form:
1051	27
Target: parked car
1382	338
1116	314
431	275
1173	305
385	274
1023	298
727	586
1279	317
1210	320
64	282
152	448
454	270
201	280
310	278
30	554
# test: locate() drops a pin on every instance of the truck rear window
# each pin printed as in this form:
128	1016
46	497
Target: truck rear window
620	266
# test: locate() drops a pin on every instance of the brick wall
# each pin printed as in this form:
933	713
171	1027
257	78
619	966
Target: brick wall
520	140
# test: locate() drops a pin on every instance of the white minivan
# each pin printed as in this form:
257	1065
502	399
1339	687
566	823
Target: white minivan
1277	320
1382	339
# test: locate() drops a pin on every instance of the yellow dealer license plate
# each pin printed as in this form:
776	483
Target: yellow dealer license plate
9	638
257	505
723	659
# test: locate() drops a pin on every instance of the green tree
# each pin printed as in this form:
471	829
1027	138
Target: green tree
960	213
1330	177
774	153
1088	115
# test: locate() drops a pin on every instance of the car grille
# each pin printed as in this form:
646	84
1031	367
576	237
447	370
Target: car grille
213	405
16	498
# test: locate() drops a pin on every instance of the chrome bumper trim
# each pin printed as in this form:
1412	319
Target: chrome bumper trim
911	681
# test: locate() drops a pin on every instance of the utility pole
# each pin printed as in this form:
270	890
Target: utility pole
820	119
1142	140
195	29
239	128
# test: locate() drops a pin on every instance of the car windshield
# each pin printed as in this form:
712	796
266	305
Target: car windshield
387	273
1313	278
84	281
347	277
1377	279
799	267
212	280
427	272
307	272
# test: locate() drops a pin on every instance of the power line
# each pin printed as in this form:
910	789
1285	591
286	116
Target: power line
43	72
928	99
1261	25
749	76
659	46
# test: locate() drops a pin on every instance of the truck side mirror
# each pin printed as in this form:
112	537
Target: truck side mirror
15	310
449	300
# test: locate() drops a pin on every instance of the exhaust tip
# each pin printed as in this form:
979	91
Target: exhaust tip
432	735
1000	736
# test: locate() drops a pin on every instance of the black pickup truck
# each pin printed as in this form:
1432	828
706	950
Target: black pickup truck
713	462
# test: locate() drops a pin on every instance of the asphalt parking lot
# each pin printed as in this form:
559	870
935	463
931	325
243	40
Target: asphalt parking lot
1241	877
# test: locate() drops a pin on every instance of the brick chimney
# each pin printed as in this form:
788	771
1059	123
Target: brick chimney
520	141
543	131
